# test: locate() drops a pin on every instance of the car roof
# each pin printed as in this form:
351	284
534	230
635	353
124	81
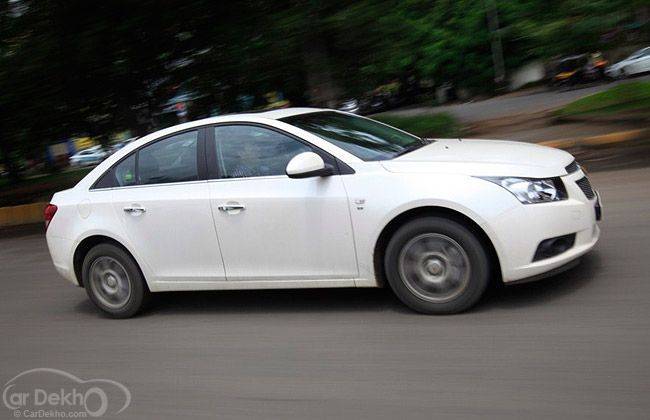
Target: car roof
276	114
241	117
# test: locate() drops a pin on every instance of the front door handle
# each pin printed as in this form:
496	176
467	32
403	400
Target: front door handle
228	207
134	210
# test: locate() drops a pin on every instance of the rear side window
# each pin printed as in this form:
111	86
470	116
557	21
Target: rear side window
121	175
125	172
173	159
170	160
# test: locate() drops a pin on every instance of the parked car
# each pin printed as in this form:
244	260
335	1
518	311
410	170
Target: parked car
637	63
577	69
350	105
120	144
304	198
90	156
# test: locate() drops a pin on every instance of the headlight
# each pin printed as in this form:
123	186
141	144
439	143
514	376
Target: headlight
530	190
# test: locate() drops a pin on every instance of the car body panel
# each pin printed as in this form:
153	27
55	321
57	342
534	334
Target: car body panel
483	158
175	234
289	228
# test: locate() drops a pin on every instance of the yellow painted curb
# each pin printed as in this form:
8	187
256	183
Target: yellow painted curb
560	143
600	140
21	215
617	137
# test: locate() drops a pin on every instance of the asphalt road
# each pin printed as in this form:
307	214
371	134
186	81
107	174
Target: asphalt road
526	102
574	346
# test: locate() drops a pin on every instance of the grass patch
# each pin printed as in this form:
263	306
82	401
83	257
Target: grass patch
436	125
40	187
633	96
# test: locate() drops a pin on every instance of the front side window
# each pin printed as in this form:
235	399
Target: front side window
169	160
245	151
362	137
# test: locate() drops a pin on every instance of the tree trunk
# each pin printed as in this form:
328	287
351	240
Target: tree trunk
321	86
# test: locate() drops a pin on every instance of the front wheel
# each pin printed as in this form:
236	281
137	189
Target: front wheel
436	266
113	281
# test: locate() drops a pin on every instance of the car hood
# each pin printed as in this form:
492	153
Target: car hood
483	158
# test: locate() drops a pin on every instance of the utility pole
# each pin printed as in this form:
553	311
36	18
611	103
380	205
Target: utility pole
495	41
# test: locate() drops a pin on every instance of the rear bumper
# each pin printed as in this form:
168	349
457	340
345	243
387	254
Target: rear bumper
61	253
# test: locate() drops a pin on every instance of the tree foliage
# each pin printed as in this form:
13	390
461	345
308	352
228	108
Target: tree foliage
77	67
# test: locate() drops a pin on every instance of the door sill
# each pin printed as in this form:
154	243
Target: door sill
169	286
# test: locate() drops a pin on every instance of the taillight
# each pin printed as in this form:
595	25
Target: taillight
49	213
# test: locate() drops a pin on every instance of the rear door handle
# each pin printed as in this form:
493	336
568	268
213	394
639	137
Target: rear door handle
134	210
231	207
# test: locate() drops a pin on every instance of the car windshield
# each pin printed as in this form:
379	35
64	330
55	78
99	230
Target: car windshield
362	137
639	53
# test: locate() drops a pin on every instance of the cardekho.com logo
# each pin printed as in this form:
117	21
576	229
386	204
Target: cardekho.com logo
53	393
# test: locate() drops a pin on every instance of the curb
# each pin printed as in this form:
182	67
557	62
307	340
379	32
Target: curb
600	140
22	215
18	231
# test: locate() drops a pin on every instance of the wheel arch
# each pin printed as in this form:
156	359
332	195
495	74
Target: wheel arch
87	244
404	217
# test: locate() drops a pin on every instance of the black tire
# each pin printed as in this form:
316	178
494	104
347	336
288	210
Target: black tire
138	293
473	256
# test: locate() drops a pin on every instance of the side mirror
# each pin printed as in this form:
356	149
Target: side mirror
306	165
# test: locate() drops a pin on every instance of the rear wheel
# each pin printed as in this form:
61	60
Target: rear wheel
113	281
436	266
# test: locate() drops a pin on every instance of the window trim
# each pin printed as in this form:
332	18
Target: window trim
214	171
201	163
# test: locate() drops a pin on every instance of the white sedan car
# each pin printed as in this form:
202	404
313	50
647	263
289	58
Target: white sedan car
91	156
300	198
637	63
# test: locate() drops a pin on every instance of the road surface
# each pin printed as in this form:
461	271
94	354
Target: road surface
574	346
512	104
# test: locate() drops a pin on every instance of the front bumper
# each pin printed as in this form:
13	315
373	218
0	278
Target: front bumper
526	226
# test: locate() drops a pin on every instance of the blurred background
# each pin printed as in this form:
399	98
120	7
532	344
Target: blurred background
80	79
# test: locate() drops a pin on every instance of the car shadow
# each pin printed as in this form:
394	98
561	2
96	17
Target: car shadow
543	291
277	301
497	297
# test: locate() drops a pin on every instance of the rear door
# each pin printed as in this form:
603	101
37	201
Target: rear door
165	211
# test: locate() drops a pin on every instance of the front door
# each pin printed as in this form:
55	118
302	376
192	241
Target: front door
272	227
